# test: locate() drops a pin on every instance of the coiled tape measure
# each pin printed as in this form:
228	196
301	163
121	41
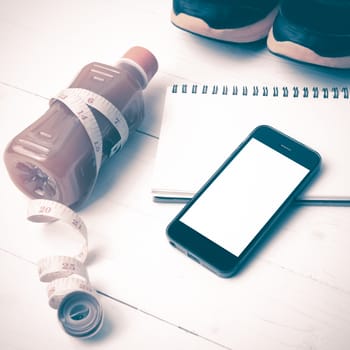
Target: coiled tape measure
69	289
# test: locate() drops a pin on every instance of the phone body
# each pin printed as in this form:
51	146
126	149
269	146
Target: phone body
237	206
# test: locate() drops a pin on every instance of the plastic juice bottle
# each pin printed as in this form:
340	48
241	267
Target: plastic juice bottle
59	155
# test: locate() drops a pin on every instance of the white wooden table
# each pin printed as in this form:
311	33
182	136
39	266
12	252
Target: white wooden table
295	293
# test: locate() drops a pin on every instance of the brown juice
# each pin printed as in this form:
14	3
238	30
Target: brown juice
54	157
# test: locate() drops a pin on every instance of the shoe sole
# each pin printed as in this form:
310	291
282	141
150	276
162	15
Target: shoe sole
298	52
247	34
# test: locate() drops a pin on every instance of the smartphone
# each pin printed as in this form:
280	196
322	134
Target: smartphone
237	206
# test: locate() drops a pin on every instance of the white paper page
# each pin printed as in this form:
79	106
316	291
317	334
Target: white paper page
199	132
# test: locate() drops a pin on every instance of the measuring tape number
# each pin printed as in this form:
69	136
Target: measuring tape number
78	101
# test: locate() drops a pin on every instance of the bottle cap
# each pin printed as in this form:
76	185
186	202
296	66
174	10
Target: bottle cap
144	59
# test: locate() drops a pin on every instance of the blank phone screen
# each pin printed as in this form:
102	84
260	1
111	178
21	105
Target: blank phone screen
240	201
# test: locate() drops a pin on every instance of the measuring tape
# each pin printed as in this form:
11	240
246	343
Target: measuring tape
69	289
78	101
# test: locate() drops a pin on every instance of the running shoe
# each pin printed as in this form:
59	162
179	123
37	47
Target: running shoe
239	21
313	31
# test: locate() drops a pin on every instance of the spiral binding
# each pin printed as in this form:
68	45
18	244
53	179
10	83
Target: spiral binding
255	90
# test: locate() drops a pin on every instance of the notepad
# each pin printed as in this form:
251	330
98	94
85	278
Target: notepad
203	124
